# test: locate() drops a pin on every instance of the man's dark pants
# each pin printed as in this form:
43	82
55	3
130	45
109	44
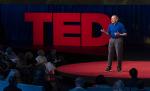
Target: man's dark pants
115	44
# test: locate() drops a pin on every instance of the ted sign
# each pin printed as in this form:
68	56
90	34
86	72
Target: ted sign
84	28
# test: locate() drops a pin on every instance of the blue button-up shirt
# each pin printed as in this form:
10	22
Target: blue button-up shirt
114	28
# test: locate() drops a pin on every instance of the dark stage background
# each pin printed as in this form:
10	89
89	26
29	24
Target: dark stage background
77	2
17	32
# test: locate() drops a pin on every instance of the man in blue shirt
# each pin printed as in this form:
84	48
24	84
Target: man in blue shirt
116	31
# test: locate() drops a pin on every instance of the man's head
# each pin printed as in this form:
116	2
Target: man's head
133	73
41	52
79	81
114	19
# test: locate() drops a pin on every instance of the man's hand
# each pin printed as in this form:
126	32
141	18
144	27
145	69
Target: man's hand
117	34
103	31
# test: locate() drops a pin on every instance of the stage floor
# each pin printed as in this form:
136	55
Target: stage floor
92	69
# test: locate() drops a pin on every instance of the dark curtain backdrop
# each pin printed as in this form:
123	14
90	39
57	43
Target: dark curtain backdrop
136	19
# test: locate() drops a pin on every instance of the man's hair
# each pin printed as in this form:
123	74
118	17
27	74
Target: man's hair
116	16
133	72
41	52
80	81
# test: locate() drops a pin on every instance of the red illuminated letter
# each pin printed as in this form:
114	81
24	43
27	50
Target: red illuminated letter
38	20
87	20
60	29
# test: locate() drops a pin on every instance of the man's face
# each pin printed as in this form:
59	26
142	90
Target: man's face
114	19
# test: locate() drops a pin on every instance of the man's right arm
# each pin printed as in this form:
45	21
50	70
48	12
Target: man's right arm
102	30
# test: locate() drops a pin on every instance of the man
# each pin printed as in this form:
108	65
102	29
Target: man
79	82
133	81
116	31
101	84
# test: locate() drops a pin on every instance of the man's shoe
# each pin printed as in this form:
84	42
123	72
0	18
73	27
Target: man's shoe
108	69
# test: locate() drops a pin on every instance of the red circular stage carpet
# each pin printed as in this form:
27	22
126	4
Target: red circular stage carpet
92	69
